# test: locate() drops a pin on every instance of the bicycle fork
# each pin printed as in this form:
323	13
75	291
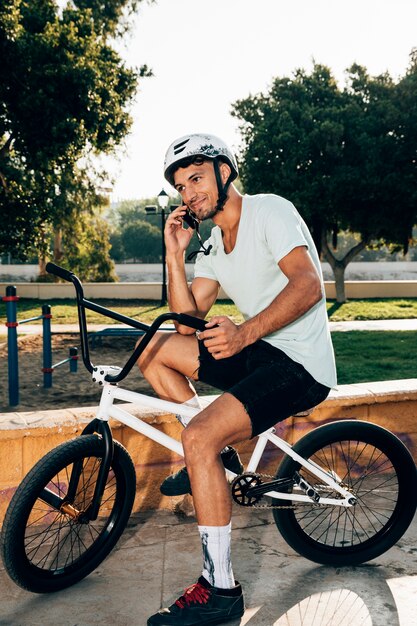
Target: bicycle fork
66	505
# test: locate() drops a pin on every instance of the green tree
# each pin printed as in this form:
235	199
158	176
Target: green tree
129	211
142	242
64	97
86	243
336	153
117	251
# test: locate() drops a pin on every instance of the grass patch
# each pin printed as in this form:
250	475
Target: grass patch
372	309
365	356
65	311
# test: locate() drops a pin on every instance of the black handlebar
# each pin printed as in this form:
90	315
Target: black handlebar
51	268
149	331
191	321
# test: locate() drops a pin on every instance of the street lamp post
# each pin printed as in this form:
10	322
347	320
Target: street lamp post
163	200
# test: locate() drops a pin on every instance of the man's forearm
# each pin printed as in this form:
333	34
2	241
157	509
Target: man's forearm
180	298
295	299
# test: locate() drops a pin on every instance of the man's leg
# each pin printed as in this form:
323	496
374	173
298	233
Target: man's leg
224	421
168	362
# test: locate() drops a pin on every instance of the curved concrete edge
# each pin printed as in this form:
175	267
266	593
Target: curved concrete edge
369	393
25	437
152	290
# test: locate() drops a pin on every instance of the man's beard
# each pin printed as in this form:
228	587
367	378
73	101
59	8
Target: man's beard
209	215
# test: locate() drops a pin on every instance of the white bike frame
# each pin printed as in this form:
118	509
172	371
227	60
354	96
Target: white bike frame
107	409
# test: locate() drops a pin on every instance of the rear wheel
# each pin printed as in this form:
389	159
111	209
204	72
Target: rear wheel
47	541
379	471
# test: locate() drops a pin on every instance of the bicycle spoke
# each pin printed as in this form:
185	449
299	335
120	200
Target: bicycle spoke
369	475
56	542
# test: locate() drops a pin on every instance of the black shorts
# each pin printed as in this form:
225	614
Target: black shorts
269	384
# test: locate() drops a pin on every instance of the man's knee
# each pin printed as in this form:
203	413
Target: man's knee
192	440
197	443
170	350
153	353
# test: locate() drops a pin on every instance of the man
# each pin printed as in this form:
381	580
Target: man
278	362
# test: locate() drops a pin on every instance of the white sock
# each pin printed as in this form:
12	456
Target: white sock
193	402
217	564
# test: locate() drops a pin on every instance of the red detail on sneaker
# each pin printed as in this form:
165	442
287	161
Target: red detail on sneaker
193	594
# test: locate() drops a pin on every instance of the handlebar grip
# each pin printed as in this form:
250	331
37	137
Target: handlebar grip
51	268
190	320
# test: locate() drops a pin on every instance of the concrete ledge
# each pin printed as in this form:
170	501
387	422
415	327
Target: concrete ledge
152	290
113	291
374	289
26	437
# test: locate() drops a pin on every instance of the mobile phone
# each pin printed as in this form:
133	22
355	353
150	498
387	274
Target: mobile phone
189	218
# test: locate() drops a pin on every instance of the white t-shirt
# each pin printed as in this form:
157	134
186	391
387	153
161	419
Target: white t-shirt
269	228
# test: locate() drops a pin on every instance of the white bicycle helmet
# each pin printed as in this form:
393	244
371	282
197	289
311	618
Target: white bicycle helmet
183	151
198	144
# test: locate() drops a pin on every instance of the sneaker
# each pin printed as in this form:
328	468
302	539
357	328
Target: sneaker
202	604
178	484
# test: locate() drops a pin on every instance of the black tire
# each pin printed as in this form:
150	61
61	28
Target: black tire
46	550
379	470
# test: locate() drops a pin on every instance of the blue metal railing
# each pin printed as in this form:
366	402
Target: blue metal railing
11	299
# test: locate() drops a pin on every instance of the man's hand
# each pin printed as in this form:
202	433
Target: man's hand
176	236
223	338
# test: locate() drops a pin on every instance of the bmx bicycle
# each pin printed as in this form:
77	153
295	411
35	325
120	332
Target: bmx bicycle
343	494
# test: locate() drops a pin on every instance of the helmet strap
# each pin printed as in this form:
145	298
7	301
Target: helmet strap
222	189
203	249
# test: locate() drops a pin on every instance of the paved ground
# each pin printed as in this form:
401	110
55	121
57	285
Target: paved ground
160	554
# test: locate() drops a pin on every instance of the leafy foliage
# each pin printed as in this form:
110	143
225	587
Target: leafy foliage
64	94
141	241
87	248
345	157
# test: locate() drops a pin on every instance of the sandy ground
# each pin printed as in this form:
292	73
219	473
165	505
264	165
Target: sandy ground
68	389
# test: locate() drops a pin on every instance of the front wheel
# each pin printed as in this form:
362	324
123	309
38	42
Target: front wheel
379	471
48	546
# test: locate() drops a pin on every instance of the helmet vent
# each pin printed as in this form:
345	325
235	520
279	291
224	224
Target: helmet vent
180	146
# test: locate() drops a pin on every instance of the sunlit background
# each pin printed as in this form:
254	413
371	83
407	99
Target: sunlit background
205	55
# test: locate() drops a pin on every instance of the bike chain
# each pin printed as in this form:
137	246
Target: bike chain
267	506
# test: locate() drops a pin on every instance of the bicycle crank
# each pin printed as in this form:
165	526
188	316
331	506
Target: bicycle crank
248	489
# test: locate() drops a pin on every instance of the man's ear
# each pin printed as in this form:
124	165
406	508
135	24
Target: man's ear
225	172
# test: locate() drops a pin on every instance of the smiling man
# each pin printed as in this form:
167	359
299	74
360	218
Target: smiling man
278	362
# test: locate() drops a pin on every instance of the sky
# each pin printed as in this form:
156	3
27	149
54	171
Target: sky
206	54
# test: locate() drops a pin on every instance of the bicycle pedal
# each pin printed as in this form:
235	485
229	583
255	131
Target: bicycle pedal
306	487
